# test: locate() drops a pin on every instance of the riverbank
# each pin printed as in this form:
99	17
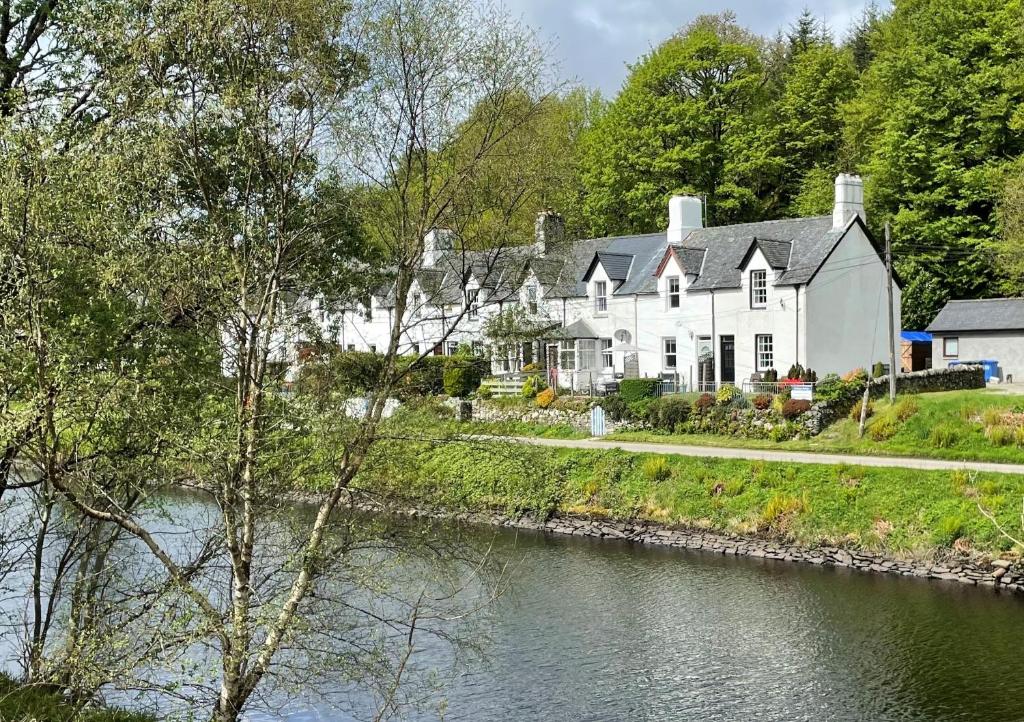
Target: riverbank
890	520
27	703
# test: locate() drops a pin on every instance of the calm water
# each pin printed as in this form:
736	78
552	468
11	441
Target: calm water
609	631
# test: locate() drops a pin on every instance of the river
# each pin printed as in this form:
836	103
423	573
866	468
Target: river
605	630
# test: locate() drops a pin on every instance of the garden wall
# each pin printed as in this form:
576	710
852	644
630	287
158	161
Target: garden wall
577	419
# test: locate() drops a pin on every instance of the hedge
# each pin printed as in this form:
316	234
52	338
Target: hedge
635	389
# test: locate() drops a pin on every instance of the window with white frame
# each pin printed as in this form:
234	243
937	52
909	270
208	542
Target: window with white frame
607	357
600	296
416	349
674	295
588	354
951	346
351	347
670	357
531	299
417	301
453	348
567	355
758	289
478	348
471	296
764	351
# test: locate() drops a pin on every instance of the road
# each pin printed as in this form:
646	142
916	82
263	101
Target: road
799	457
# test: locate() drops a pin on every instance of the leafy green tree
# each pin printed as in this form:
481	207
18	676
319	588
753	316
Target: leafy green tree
675	128
931	129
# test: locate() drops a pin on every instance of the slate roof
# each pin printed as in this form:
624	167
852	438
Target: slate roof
616	265
796	247
776	253
578	329
990	314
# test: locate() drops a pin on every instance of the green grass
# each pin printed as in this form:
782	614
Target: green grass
945	425
895	510
24	704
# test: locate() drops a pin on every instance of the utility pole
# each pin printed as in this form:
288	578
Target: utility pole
892	332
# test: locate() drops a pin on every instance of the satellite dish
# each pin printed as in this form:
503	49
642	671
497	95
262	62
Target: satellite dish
623	336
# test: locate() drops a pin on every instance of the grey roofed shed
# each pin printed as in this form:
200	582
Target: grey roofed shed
989	314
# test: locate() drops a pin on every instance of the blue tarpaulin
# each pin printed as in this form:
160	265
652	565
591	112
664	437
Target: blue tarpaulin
916	336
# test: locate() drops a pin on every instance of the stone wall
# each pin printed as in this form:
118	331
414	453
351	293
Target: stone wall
977	570
579	420
823	414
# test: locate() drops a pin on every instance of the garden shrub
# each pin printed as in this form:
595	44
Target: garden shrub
857	375
616	407
575	404
771	375
884	428
1018	436
671	412
461	377
485	392
878	370
855	410
703	403
1000	435
943	437
636	389
656	468
532	367
793	408
763	402
643	410
533	386
795	371
727	394
545	397
425	378
784	432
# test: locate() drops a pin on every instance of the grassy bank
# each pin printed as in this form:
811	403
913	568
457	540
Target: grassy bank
20	703
894	510
947	425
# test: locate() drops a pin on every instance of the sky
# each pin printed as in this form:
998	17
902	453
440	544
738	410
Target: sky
595	39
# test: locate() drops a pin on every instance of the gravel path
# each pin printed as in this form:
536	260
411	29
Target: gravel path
800	457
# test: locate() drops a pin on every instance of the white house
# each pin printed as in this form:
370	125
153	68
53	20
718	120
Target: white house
704	306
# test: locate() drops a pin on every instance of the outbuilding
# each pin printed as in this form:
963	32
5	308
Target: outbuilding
990	329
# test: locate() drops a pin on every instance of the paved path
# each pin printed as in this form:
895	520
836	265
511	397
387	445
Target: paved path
800	457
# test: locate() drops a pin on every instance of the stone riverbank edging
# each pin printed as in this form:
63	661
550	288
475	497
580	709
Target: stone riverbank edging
997	574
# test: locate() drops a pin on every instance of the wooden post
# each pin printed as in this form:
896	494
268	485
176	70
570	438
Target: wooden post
864	406
892	331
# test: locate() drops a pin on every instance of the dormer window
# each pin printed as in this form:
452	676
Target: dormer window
531	299
368	312
417	301
758	289
600	296
674	296
471	296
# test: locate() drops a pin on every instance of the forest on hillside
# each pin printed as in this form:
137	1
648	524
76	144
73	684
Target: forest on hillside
925	101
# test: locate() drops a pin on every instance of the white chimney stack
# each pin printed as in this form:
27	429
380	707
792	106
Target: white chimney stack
685	214
849	200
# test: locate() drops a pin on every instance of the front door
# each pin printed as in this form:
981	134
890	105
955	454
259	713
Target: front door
728	359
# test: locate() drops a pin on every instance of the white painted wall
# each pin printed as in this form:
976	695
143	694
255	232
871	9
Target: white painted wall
846	309
1005	347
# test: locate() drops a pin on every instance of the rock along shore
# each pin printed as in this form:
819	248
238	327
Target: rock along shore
997	574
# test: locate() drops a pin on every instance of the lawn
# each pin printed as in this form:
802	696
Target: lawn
960	417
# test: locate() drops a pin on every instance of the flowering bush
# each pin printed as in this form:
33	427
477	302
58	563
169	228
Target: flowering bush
763	402
545	397
727	394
